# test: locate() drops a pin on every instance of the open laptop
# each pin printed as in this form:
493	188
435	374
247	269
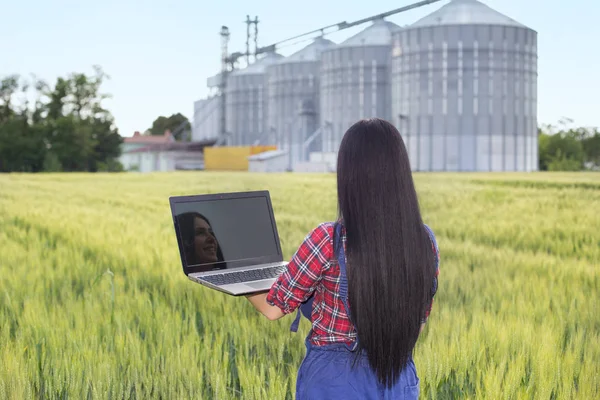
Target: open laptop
228	241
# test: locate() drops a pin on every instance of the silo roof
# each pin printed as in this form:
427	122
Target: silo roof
378	34
466	12
312	52
259	66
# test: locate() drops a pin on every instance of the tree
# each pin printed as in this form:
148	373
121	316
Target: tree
67	129
568	148
591	147
178	124
8	87
22	147
560	152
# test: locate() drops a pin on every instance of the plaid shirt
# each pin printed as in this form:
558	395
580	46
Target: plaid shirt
313	270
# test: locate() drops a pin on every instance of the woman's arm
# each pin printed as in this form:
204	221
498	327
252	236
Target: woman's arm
259	301
300	279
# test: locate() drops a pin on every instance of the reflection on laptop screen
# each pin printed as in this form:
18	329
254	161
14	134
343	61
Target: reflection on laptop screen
220	231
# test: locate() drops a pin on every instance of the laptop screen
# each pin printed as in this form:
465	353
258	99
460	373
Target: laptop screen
217	234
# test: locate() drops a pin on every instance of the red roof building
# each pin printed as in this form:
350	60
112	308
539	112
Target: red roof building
151	153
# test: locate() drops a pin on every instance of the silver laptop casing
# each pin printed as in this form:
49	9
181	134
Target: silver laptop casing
194	273
238	289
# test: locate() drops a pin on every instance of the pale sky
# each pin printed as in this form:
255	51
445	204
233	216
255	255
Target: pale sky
159	53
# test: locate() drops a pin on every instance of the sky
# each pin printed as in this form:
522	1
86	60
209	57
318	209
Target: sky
158	54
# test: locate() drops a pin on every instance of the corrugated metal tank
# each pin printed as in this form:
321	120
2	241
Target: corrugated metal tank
292	81
206	118
464	93
355	81
247	102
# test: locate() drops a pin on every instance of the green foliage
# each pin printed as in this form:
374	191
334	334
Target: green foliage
568	149
563	163
94	304
8	86
178	124
67	129
560	149
22	146
51	162
110	166
591	146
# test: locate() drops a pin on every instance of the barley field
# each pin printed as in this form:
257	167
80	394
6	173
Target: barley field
94	304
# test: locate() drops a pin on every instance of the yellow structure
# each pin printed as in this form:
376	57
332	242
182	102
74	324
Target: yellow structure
231	158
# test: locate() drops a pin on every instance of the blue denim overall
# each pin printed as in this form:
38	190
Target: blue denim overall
327	372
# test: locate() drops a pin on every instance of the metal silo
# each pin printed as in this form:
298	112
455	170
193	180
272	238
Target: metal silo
294	87
206	118
247	102
464	82
355	81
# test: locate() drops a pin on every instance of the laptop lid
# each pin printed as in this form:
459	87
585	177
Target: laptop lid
225	231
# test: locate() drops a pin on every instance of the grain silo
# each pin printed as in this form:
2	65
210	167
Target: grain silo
464	82
355	81
207	119
294	87
247	102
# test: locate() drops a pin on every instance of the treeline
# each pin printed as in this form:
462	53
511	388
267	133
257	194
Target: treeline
57	128
567	148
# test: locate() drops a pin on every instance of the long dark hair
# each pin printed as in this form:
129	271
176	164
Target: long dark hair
389	255
188	233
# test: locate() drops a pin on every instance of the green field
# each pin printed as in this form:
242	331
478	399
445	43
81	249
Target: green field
93	302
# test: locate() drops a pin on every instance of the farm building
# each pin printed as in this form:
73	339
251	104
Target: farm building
147	153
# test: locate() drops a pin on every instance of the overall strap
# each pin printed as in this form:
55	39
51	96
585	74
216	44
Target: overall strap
306	309
296	322
341	256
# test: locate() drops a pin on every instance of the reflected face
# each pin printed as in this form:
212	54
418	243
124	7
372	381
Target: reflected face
205	243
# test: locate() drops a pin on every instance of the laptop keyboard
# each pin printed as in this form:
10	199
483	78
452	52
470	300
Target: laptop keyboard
245	276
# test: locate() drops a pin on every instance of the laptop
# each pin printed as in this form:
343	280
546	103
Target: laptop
228	241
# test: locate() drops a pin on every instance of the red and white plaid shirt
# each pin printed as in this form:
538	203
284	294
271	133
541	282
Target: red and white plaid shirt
314	269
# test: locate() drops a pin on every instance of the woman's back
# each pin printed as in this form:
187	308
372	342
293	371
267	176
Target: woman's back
316	256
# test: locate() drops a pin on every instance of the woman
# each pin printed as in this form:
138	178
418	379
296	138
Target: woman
373	275
200	243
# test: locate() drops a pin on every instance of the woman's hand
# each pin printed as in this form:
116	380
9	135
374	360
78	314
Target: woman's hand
259	301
